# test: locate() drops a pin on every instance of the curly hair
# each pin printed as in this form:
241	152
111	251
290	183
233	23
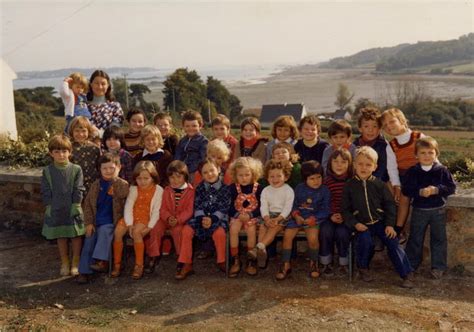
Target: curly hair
254	165
285	166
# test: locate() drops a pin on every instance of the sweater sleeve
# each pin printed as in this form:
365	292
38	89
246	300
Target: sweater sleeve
203	150
222	211
324	210
447	186
167	200
392	167
289	198
199	202
68	98
347	209
178	155
233	213
79	188
46	191
410	187
155	206
88	210
186	211
389	207
131	198
264	211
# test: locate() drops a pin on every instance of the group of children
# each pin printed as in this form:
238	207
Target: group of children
146	181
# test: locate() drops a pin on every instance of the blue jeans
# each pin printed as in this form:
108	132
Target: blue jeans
420	219
333	233
97	246
365	249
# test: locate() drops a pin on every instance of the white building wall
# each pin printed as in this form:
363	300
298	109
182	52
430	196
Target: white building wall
7	106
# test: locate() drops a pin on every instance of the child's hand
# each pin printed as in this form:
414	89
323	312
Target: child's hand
428	191
145	231
299	220
390	232
90	230
311	221
360	227
336	218
68	80
130	231
172	221
244	217
266	221
206	222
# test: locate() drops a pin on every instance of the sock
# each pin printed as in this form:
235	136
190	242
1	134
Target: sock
313	254
285	255
118	248
234	251
261	246
75	261
65	260
139	253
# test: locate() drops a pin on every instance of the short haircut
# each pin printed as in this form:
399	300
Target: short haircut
338	127
145	165
179	167
218	146
286	121
367	152
108	94
59	142
135	111
221	119
345	155
107	158
312	120
251	121
207	161
427	142
191	115
396	113
79	79
151	130
113	131
291	149
162	116
309	168
283	165
80	122
254	165
369	113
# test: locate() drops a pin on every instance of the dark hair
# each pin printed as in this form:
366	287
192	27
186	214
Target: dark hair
163	116
253	121
345	155
107	158
309	168
59	142
339	126
133	111
207	161
370	113
113	131
145	165
109	96
191	115
286	121
177	166
312	120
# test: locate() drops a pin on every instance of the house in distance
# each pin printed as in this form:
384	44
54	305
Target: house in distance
271	112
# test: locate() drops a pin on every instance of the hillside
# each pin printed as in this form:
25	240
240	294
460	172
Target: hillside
66	71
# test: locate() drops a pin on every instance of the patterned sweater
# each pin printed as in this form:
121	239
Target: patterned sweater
310	202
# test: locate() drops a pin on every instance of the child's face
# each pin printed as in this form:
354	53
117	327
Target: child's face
144	179
281	154
283	133
109	171
151	143
192	127
176	180
276	178
137	122
364	167
244	176
309	132
339	165
314	181
217	157
369	129
392	126
80	134
113	144
220	131
249	132
99	86
164	126
210	173
77	89
426	156
339	139
60	156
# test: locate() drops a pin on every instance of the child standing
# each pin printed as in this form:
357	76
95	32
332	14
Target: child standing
103	208
211	215
334	230
164	122
310	209
284	129
218	151
72	93
113	141
221	130
251	144
369	208
62	191
136	119
428	184
310	146
340	133
142	211
244	212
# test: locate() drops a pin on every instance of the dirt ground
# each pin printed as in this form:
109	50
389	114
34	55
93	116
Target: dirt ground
33	297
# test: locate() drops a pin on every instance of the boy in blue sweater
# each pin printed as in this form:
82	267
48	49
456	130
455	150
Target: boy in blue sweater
428	184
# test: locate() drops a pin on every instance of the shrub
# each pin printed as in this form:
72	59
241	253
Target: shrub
19	154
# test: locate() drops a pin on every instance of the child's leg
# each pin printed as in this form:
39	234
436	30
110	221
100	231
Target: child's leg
261	232
156	235
288	237
139	232
105	235
76	254
63	251
235	227
176	232
86	255
251	236
402	212
343	237
414	248
219	238
312	236
119	233
270	234
364	248
186	250
438	240
327	236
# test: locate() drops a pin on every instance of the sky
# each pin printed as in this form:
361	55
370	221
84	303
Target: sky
43	35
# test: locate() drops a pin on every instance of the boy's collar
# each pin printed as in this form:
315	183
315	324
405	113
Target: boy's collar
216	185
370	178
145	152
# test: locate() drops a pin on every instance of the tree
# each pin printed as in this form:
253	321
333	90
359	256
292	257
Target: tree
219	95
362	103
120	91
235	108
343	97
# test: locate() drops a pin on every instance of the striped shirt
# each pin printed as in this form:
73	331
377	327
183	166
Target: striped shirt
335	185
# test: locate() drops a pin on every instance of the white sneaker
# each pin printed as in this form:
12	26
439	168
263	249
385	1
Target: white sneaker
74	271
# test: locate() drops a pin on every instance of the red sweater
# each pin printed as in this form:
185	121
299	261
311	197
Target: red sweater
184	211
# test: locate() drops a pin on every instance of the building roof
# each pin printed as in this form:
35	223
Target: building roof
271	112
339	114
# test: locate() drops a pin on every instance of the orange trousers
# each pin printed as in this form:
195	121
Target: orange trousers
156	238
186	252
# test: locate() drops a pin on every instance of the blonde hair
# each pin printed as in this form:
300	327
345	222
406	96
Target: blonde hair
291	149
285	166
78	78
396	113
59	142
151	130
427	142
254	165
80	122
218	146
285	121
367	152
145	165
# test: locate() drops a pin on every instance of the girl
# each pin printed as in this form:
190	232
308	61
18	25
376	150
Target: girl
218	151
104	110
84	152
251	144
334	230
284	129
113	141
211	213
310	209
164	122
72	93
276	203
310	146
152	143
285	151
245	210
142	210
136	119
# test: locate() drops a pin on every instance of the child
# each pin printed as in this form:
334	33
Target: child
276	204
221	129
218	151
103	208
428	184
192	148
72	93
334	230
310	209
176	210
152	142
251	144
284	129
369	209
211	213
310	146
113	141
164	122
136	120
61	189
339	133
84	152
244	212
285	151
142	211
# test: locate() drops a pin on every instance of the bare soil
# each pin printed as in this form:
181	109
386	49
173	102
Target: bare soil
33	297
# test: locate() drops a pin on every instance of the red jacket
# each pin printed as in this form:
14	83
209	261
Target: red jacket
184	211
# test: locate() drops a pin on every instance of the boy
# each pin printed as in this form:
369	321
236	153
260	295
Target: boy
221	129
428	184
310	146
192	148
369	208
339	133
103	208
164	122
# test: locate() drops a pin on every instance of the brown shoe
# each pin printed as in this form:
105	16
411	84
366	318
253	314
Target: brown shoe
262	258
283	272
151	264
116	271
137	272
251	268
184	271
221	267
366	275
314	270
100	266
235	267
82	279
